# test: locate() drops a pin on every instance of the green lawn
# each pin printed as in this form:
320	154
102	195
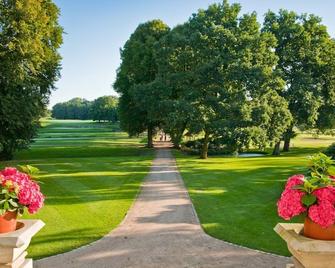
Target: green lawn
90	175
235	198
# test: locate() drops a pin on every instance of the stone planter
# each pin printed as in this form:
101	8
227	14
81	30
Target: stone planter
13	245
307	252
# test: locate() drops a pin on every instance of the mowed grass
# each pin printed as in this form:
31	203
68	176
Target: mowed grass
90	175
235	198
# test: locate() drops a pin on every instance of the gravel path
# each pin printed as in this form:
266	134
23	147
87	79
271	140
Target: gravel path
162	230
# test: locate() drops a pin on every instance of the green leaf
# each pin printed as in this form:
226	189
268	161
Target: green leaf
331	170
308	199
299	187
6	205
13	203
30	170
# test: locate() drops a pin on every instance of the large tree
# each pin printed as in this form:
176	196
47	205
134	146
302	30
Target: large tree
105	109
306	63
218	66
29	66
176	63
137	71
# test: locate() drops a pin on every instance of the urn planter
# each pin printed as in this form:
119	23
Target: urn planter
315	231
8	222
13	245
307	252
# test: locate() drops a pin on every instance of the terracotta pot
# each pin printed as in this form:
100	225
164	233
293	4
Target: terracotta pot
8	222
315	231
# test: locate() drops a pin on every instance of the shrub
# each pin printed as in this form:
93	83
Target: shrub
330	151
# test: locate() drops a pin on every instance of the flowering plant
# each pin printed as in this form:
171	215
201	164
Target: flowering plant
18	190
313	194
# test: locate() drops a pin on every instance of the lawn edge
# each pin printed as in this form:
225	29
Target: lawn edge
204	231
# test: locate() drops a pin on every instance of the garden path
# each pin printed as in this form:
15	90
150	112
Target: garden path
162	230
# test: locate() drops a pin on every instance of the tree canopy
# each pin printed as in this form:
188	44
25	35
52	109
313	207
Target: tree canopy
134	77
105	109
101	109
306	64
29	66
219	70
76	108
223	76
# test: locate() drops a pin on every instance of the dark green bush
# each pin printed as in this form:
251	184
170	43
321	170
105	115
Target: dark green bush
330	151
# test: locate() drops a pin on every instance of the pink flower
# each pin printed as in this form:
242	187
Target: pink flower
325	194
322	214
289	204
9	171
294	181
28	194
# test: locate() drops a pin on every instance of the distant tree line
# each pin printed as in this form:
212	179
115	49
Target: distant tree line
101	109
225	77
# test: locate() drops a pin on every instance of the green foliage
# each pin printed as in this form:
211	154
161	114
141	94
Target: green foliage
29	66
321	165
218	73
101	109
320	168
308	200
138	97
9	200
105	109
30	170
330	151
76	108
306	55
221	76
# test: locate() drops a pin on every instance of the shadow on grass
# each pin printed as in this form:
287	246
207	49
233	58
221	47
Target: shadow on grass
242	202
80	152
60	242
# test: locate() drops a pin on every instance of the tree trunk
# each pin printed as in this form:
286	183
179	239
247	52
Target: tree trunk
176	141
276	149
150	136
204	151
287	139
177	137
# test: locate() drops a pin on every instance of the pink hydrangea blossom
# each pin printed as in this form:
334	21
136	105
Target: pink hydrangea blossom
294	181
28	194
322	214
9	171
289	204
325	194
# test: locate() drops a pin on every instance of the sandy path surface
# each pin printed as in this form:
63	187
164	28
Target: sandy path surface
162	230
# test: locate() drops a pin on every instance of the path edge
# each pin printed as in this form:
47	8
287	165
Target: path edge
203	230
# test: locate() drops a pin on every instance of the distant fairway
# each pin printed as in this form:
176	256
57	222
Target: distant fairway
90	175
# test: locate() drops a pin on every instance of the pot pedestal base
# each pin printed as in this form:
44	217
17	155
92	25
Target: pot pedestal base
307	252
13	245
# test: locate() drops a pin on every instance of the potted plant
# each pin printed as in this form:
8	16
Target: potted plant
18	191
313	196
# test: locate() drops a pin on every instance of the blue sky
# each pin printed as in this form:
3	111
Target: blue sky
97	29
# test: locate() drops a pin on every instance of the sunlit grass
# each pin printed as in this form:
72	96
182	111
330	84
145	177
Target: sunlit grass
89	182
235	198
